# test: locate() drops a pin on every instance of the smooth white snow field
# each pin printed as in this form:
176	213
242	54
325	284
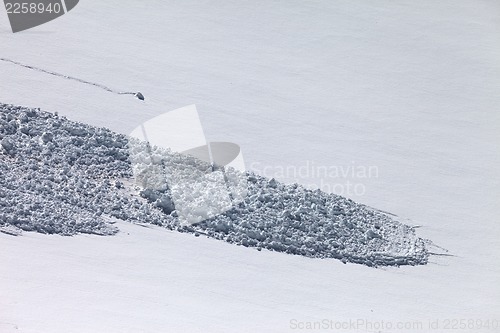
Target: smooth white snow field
409	87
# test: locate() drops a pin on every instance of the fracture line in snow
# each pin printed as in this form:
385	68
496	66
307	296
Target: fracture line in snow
68	77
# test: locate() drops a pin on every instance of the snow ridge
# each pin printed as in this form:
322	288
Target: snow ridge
64	177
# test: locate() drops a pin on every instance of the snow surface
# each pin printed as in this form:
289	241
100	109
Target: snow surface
64	177
409	87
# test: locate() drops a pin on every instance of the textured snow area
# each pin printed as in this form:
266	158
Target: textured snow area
155	280
411	87
65	177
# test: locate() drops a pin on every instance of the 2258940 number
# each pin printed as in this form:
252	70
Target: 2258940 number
32	8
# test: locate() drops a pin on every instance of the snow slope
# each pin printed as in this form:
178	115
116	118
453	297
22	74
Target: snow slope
66	178
409	87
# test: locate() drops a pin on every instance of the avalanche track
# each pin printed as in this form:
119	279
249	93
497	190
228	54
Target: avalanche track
64	177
